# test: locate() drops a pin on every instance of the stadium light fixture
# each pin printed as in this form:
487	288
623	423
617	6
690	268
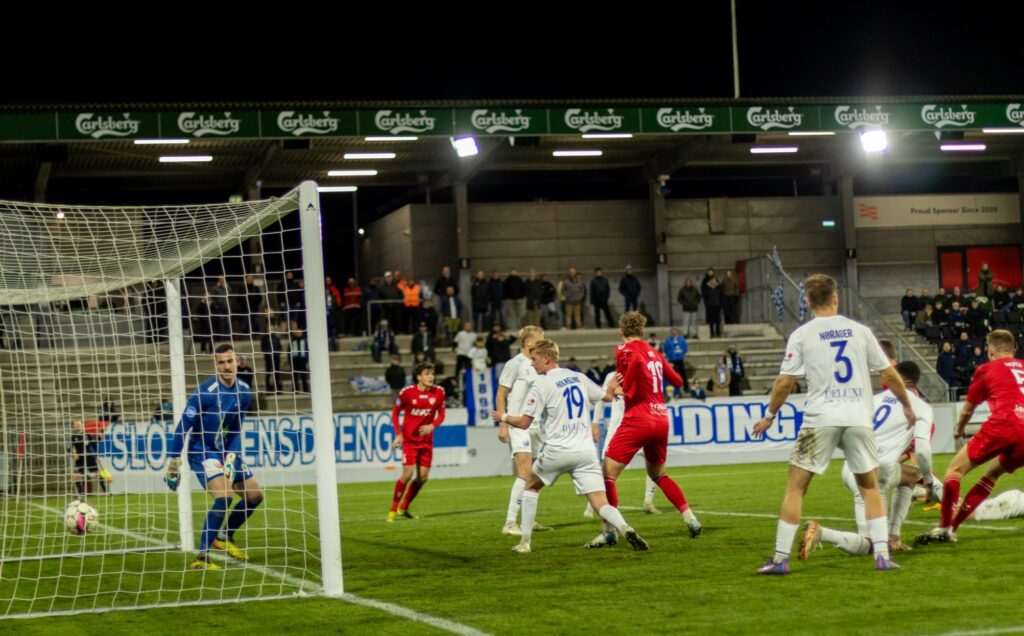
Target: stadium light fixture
1003	131
160	142
351	173
362	156
392	138
811	133
963	147
337	189
874	140
577	153
60	215
362	232
465	146
828	223
773	150
608	136
186	158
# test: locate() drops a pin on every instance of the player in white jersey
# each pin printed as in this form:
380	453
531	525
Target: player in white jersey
564	397
513	384
1007	505
618	411
837	356
894	436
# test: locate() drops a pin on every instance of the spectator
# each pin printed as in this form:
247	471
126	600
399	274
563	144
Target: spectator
352	309
629	287
924	299
711	292
939	316
1000	299
445	281
253	303
653	342
451	314
600	294
463	344
270	346
731	298
985	281
496	299
298	355
908	309
411	303
109	412
155	309
963	350
574	291
383	340
947	298
718	385
737	372
394	375
423	342
957	319
609	368
245	372
481	297
573	366
371	293
220	309
697	390
946	364
1017	300
478	355
924	319
428	314
332	305
532	286
499	348
295	301
977	320
957	296
675	349
595	372
390	296
514	290
689	298
548	311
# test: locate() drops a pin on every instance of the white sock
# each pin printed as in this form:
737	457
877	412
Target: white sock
529	514
784	535
588	508
860	515
612	516
849	542
515	500
900	507
878	529
649	489
688	516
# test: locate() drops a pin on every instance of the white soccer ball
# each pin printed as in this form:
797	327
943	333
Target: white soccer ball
80	517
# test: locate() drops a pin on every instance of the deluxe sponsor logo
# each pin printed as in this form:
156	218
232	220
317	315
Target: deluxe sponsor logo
500	121
770	118
201	125
298	124
588	121
99	126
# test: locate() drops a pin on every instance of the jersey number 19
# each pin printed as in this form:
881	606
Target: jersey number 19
657	375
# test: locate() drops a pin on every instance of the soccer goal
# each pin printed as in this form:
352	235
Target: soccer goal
109	319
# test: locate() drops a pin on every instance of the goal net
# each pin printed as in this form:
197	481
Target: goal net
109	319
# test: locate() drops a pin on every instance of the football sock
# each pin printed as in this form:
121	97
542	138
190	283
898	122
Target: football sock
849	542
900	507
399	491
530	498
515	500
674	494
860	515
239	515
879	529
611	491
784	535
414	489
649	488
78	488
612	515
975	496
950	495
214	520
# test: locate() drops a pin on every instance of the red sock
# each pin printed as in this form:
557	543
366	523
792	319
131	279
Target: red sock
414	489
975	496
610	490
399	491
950	495
673	492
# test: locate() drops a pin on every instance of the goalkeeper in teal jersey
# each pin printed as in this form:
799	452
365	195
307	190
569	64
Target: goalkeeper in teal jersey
213	423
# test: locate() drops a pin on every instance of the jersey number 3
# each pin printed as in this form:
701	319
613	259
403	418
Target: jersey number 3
847	373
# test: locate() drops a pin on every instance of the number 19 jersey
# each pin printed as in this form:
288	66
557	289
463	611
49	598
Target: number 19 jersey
564	397
837	356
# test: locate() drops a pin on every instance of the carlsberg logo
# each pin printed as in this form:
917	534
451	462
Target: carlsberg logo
766	119
397	123
854	118
941	117
99	126
676	120
578	119
307	123
201	125
1015	114
492	122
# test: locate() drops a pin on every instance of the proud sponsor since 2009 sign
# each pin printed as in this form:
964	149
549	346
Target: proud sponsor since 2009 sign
946	209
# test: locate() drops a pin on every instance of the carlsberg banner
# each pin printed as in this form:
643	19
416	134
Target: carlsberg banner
936	209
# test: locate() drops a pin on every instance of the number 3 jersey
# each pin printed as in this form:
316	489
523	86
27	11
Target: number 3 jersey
837	356
643	372
564	398
1001	384
891	432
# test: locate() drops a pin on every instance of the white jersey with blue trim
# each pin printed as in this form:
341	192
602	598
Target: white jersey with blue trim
565	399
891	432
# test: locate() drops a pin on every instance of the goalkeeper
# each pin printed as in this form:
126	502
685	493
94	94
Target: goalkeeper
213	416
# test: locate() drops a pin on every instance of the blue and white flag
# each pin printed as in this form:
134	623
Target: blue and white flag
778	299
481	387
776	260
803	302
369	384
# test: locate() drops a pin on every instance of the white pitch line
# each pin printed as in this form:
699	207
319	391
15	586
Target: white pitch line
309	586
992	631
765	515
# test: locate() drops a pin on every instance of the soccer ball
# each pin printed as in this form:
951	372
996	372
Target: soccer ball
81	517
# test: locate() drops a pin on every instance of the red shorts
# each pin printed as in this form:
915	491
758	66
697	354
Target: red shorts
417	454
634	435
1001	439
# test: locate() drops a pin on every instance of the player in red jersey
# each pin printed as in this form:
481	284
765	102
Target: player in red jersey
423	405
645	424
999	382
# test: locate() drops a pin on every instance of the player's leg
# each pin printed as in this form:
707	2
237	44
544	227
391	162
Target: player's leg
1003	464
900	507
219	489
650	487
627	440
531	496
850	481
521	447
874	508
250	496
655	455
850	542
979	449
587	479
424	460
858	444
408	467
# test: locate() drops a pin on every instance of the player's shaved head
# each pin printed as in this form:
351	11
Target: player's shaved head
819	289
910	372
632	324
888	348
546	348
1001	340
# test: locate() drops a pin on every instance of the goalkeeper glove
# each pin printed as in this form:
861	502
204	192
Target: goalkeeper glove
173	475
229	467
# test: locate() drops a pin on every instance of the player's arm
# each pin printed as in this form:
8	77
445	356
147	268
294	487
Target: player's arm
965	416
501	399
781	388
395	422
172	476
894	381
976	394
532	403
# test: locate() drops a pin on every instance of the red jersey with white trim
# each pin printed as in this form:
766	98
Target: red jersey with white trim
419	407
644	370
1001	384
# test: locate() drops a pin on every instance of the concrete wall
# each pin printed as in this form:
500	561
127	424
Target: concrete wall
388	244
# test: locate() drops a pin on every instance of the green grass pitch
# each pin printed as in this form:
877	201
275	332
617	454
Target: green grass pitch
453	564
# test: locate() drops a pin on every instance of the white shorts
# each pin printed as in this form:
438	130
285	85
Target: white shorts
520	441
814	448
612	427
582	465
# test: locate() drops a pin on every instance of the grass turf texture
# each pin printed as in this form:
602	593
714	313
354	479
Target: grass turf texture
453	563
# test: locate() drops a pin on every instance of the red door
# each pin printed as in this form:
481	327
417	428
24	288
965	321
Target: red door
951	269
1004	261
